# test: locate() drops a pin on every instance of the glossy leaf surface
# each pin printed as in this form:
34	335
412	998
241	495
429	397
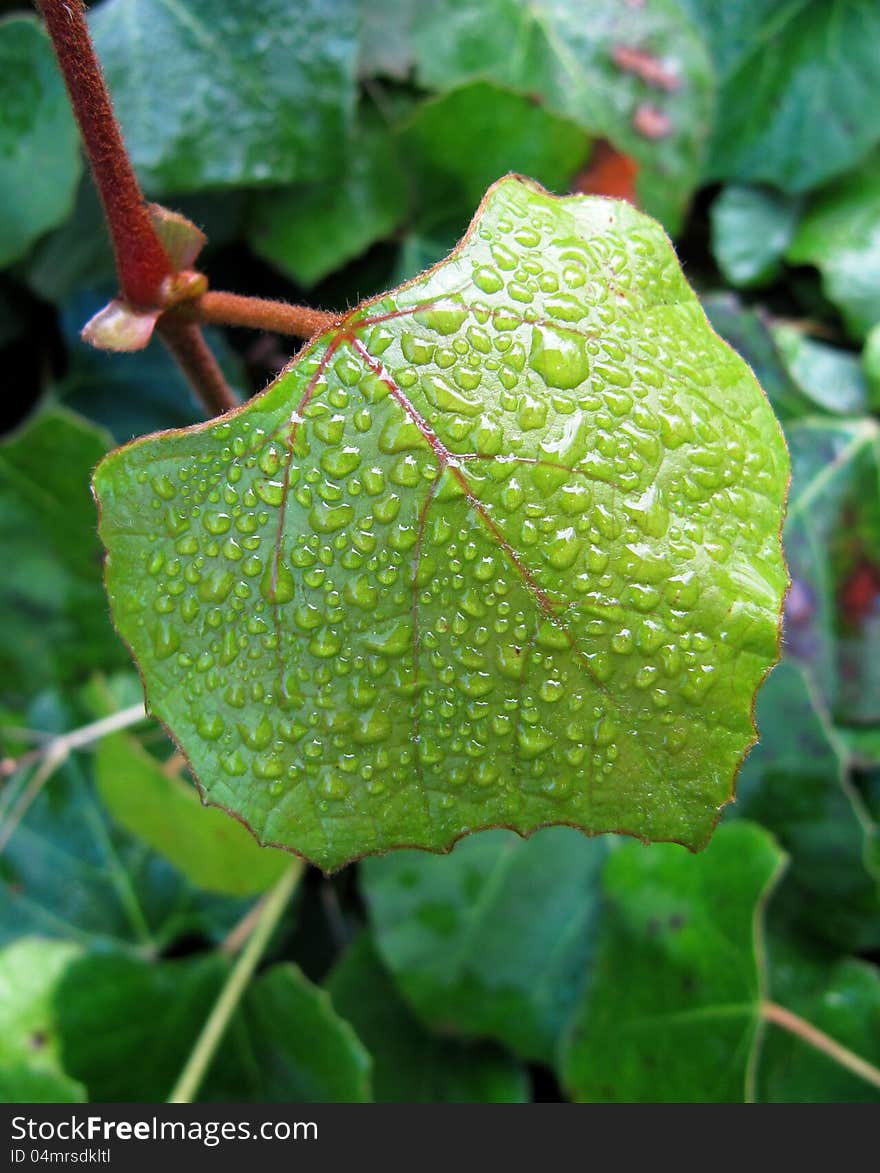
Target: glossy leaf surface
503	548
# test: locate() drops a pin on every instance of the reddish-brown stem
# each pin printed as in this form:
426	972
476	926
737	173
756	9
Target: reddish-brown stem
185	341
276	317
141	261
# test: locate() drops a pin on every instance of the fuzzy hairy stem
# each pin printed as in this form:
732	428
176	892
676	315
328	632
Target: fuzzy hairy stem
275	317
141	262
187	345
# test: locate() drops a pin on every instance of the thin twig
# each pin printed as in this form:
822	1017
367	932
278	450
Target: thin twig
141	261
55	753
202	1054
187	345
817	1039
275	317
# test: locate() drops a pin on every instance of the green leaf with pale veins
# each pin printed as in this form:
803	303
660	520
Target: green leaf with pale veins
492	941
411	1065
229	96
502	549
672	1010
39	146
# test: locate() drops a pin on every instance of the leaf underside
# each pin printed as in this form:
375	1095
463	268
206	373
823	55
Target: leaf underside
502	549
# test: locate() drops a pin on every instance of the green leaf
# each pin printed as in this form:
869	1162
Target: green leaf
832	542
493	940
308	231
69	872
39	145
838	996
830	378
30	1067
52	608
211	850
751	229
127	1027
798	82
458	143
501	550
871	365
410	1065
672	1008
575	64
256	94
840	235
795	784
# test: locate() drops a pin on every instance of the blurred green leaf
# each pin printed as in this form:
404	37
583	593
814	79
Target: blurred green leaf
53	611
30	1065
69	872
832	543
308	231
493	940
871	366
840	235
657	108
253	92
830	378
411	1065
460	142
798	87
671	1012
795	783
39	146
751	229
128	1026
213	851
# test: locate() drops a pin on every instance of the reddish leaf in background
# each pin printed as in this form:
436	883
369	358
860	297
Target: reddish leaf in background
610	173
859	594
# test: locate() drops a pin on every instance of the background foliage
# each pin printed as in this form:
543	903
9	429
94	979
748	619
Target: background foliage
329	151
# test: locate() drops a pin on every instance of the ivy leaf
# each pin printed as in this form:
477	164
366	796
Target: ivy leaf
638	75
308	231
30	1065
127	1027
39	146
688	935
830	378
751	229
52	607
796	784
502	549
240	97
410	1065
840	235
798	80
492	941
832	541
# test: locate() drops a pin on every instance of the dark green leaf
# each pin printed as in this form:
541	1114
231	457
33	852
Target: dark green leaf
494	552
52	608
798	82
410	1065
308	231
840	235
638	75
672	1009
252	92
751	229
491	941
30	1066
795	784
460	142
39	146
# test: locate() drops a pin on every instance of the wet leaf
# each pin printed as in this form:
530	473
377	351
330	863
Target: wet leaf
30	1066
671	1011
493	940
411	1065
238	96
39	147
500	550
